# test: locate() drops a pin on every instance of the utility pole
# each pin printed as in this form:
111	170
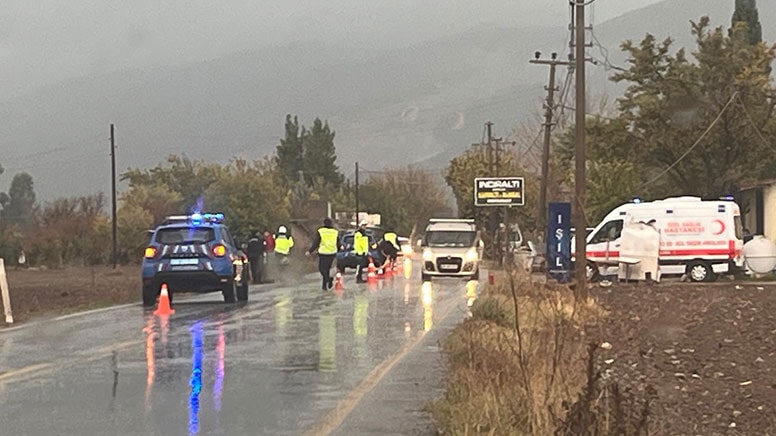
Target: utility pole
113	191
493	216
549	108
356	194
580	178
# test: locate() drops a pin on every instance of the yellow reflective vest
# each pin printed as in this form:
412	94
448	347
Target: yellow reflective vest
283	244
392	238
328	243
360	244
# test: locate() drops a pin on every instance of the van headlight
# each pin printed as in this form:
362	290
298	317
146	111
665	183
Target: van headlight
428	255
471	255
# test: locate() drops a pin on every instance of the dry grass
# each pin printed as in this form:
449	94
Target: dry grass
520	361
40	292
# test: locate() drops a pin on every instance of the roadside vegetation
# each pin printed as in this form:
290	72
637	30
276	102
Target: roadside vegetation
253	195
523	363
697	122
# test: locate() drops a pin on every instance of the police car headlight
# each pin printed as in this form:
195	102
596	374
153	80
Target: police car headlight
428	255
471	255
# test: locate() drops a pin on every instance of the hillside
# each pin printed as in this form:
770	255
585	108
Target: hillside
425	103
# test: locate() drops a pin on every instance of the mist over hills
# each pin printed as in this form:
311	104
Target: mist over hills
390	104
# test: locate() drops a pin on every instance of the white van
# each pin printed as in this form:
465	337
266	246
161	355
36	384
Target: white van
451	248
700	238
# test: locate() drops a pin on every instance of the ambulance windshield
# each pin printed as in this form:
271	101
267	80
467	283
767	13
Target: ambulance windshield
608	232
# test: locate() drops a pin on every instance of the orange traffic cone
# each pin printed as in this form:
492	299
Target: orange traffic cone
371	277
164	303
338	283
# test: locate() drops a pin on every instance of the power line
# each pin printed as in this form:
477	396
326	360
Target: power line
754	125
607	64
697	142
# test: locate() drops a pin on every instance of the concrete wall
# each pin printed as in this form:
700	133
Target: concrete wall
769	212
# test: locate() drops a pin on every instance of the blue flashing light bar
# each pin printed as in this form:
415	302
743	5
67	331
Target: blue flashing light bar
636	200
197	218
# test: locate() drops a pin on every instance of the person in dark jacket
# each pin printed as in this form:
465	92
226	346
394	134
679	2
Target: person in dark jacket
325	243
255	253
389	252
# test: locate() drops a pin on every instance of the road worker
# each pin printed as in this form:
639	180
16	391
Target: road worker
325	243
283	245
361	249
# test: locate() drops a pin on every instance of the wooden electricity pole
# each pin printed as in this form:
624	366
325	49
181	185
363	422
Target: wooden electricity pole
549	107
580	180
113	194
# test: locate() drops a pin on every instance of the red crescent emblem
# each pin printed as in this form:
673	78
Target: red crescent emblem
721	225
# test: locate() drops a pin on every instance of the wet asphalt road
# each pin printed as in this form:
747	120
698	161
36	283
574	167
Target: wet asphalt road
294	360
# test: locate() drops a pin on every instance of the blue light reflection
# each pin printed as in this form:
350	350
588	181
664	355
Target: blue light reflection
197	350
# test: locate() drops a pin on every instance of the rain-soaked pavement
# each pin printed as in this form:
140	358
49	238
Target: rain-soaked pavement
294	360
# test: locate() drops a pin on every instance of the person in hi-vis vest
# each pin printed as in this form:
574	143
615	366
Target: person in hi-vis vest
325	243
283	245
361	250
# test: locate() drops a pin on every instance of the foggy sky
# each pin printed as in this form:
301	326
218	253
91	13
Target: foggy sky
44	41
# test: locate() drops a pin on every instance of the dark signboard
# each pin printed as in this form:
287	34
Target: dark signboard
499	191
559	241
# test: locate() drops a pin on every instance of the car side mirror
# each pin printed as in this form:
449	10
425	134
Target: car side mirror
481	244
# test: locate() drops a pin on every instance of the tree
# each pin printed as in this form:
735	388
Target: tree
20	201
158	201
746	13
182	175
71	230
290	151
405	197
133	222
614	175
319	155
465	168
722	97
248	195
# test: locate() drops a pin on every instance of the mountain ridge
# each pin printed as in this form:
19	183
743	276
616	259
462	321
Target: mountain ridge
424	103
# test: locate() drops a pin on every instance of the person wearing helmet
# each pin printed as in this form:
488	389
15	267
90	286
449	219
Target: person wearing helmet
283	245
361	249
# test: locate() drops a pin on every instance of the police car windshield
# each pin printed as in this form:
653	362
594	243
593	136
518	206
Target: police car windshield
450	239
185	235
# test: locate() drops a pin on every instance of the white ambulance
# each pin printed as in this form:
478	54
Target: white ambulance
700	238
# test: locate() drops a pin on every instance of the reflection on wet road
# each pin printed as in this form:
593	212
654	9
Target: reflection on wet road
279	365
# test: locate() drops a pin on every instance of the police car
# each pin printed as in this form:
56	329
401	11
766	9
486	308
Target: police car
194	253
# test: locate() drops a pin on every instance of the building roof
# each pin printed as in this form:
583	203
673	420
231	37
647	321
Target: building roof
756	184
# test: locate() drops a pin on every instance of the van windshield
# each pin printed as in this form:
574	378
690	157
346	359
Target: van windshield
450	239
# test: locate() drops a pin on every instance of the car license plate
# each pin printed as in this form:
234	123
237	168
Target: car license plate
185	267
189	261
448	266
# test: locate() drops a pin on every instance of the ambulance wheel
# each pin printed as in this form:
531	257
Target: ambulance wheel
476	275
425	277
591	271
698	271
